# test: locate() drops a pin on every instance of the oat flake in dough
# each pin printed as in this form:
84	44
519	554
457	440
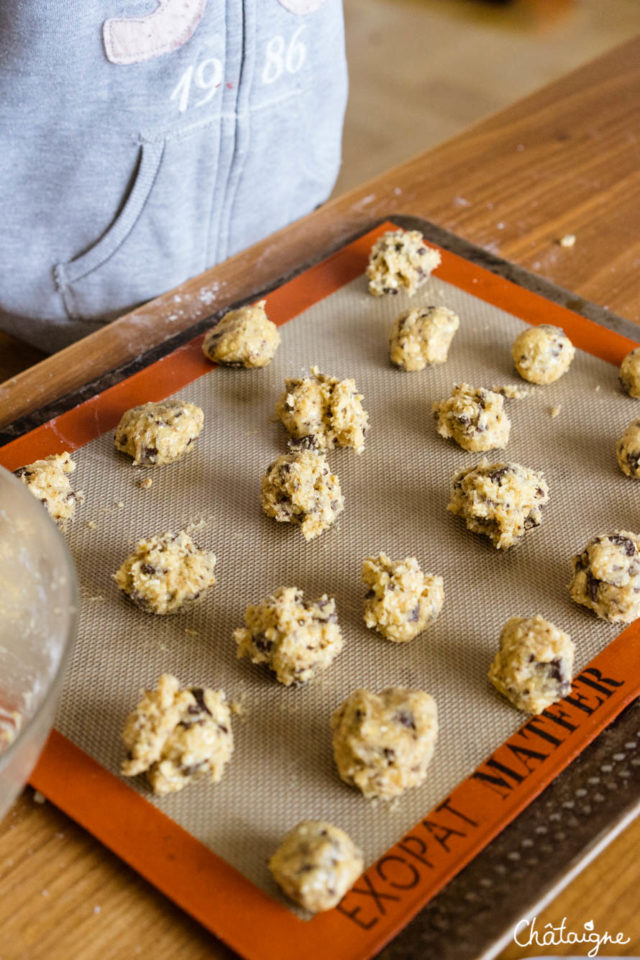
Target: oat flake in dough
294	637
243	338
606	576
49	482
542	354
166	572
299	488
176	736
422	336
473	417
534	665
501	501
401	600
321	412
628	450
383	743
316	864
400	260
156	434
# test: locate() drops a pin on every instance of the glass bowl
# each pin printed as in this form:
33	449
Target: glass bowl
38	612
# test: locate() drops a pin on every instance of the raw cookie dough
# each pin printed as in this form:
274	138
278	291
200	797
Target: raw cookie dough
300	488
155	434
502	501
10	724
243	338
48	481
630	373
316	864
534	665
474	418
165	572
401	600
322	412
296	638
628	450
176	736
422	336
400	259
383	743
606	576
542	354
512	391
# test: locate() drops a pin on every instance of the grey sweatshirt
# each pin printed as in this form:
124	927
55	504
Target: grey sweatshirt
142	141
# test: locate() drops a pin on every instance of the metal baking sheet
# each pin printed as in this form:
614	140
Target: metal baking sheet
446	906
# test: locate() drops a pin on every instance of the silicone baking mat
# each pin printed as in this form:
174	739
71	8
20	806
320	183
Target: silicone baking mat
207	846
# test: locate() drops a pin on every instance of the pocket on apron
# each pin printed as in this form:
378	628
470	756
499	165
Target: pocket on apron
158	238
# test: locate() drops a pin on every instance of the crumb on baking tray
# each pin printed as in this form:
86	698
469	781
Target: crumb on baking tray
568	240
512	391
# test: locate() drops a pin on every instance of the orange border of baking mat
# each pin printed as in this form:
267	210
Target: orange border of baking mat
394	888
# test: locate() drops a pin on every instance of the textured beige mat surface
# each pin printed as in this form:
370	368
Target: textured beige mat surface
396	494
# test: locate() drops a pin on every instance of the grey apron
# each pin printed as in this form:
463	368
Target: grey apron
142	141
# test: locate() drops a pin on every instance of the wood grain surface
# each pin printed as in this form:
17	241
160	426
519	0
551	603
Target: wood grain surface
564	160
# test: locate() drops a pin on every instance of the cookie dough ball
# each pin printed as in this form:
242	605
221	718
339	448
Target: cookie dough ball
502	501
176	736
316	864
322	412
421	337
542	354
300	488
166	572
630	373
628	450
401	600
155	434
534	665
296	638
606	577
48	480
243	338
400	260
383	743
474	418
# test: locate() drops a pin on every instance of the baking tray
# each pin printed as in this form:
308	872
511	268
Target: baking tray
432	922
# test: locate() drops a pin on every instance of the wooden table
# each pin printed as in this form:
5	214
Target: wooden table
564	160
